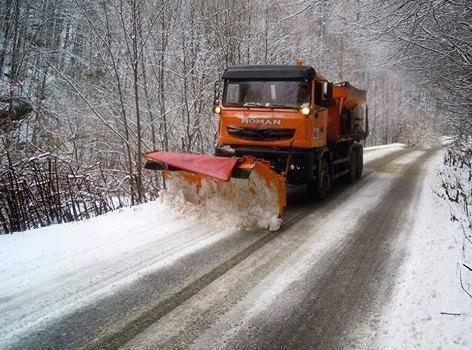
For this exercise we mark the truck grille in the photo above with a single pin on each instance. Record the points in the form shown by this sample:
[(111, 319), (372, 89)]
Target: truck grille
[(261, 134)]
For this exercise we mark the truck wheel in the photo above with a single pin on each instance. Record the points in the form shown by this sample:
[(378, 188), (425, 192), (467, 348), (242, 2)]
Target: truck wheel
[(360, 162), (351, 175), (321, 186)]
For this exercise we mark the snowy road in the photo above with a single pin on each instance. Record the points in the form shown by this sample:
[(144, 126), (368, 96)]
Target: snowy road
[(156, 283)]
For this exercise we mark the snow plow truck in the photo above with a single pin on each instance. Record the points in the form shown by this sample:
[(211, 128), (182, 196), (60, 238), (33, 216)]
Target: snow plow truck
[(278, 125)]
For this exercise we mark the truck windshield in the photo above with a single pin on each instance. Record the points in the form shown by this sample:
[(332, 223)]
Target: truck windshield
[(271, 94)]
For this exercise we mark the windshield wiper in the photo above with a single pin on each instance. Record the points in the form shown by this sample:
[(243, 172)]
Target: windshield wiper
[(266, 105), (280, 106), (253, 104)]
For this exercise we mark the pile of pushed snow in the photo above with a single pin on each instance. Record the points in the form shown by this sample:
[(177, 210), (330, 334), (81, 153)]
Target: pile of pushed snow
[(247, 204)]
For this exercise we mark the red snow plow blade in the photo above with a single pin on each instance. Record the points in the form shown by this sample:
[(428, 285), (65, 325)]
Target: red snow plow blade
[(246, 187)]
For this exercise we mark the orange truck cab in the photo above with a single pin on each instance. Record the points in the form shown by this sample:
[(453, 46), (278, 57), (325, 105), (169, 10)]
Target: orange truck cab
[(310, 129)]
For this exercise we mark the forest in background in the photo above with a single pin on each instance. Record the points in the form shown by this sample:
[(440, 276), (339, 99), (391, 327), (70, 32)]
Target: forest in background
[(87, 86)]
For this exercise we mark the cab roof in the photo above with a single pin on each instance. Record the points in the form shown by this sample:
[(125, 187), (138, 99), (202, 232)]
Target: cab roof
[(268, 72)]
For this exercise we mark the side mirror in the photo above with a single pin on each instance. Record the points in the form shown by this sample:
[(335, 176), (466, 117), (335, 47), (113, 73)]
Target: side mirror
[(323, 93), (327, 94), (329, 91), (216, 94)]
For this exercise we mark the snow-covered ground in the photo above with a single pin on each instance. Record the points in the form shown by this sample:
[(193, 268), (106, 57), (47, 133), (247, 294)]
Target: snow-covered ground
[(389, 146), (429, 309), (48, 272), (51, 271)]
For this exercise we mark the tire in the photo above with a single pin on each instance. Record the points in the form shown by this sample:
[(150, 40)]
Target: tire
[(360, 162), (353, 162), (321, 185)]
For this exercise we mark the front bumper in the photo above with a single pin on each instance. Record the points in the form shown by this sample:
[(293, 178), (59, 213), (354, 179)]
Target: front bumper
[(300, 168)]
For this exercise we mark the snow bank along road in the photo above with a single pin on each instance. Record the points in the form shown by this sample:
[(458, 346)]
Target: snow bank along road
[(137, 279)]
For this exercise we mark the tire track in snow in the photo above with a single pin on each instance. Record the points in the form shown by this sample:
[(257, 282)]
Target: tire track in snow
[(351, 292), (224, 306), (94, 321), (293, 216)]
